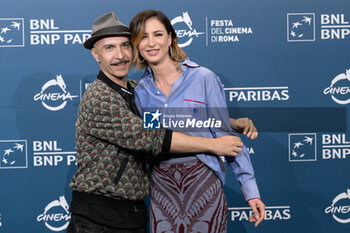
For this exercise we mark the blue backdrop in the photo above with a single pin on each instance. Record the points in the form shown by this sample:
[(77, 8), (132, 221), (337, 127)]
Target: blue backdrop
[(285, 64)]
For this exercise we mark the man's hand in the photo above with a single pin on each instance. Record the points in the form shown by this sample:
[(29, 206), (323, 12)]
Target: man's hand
[(244, 126), (226, 146), (258, 208)]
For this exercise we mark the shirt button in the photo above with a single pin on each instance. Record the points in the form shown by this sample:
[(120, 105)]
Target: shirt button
[(158, 92), (166, 105)]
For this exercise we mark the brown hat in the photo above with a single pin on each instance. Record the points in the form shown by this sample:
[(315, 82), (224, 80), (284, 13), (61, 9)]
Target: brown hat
[(105, 26)]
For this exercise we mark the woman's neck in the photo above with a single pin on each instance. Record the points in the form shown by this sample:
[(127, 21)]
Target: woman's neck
[(164, 70), (165, 74)]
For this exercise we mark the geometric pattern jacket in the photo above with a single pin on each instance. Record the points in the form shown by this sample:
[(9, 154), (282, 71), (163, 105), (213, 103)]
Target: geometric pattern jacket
[(111, 145)]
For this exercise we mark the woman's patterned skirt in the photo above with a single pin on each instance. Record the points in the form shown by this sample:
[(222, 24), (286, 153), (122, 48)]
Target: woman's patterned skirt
[(187, 197)]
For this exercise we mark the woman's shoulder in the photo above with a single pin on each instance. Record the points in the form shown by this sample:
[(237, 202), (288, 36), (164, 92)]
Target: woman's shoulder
[(198, 68)]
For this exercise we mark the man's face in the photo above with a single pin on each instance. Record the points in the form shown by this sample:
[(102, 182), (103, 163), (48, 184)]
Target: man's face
[(114, 55)]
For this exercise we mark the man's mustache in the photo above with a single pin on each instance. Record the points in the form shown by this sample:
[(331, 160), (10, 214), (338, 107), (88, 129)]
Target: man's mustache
[(123, 61)]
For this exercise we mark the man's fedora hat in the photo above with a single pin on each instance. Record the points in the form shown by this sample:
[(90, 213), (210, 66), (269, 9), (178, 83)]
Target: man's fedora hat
[(105, 26)]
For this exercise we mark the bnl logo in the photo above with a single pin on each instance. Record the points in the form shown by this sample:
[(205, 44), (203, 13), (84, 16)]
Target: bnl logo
[(13, 154), (151, 120), (302, 147), (11, 32), (300, 27)]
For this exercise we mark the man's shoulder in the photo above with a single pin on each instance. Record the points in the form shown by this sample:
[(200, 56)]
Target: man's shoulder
[(100, 90), (96, 86)]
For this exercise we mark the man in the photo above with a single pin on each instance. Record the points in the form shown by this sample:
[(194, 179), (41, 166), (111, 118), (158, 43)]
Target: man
[(111, 182)]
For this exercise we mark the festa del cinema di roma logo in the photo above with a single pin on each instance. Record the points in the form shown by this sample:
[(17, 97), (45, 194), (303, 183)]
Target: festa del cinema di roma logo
[(339, 90), (190, 32), (54, 91), (342, 209), (53, 217)]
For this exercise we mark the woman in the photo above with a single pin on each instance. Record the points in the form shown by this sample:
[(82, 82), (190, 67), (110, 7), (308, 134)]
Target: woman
[(187, 192)]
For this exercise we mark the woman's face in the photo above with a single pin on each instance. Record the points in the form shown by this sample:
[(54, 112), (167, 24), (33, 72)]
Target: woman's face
[(154, 45)]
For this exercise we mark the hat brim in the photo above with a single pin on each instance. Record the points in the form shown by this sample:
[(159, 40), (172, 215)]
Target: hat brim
[(89, 43)]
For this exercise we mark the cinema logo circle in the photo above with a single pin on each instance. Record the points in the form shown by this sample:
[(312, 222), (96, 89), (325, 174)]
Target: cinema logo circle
[(56, 215), (53, 94), (340, 88), (186, 34), (340, 208)]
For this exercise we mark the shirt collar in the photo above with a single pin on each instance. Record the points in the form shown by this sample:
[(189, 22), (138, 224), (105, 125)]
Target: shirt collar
[(190, 63), (126, 94), (121, 90), (185, 64)]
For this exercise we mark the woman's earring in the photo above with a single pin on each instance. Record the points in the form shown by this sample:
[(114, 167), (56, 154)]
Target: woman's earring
[(171, 52)]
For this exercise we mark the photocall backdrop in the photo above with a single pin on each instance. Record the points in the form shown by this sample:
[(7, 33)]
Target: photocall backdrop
[(284, 64)]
